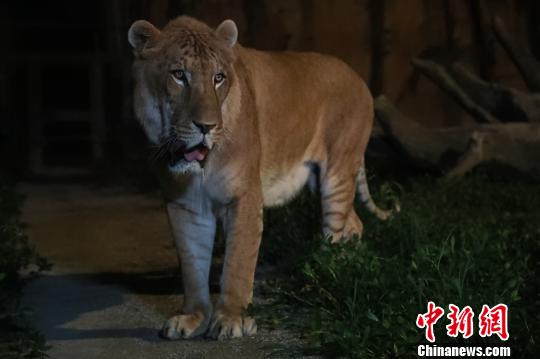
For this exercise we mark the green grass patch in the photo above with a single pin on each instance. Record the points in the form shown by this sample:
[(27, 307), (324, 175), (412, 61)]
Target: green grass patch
[(17, 338), (471, 242)]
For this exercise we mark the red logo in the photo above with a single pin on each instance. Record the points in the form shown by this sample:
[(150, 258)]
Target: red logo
[(460, 321), (429, 319), (494, 321), (490, 321)]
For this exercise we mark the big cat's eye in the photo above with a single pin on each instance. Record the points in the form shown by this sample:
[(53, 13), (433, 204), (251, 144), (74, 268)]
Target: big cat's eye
[(179, 76), (218, 79)]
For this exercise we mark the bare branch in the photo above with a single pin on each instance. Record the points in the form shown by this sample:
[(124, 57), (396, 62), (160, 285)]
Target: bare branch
[(445, 82), (507, 104)]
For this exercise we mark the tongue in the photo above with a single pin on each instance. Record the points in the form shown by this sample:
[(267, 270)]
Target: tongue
[(197, 154)]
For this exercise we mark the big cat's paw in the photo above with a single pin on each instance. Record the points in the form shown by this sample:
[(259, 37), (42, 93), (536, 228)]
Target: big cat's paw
[(184, 326), (225, 326)]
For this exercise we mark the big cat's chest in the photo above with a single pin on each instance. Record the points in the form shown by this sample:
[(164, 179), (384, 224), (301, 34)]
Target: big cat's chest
[(224, 184)]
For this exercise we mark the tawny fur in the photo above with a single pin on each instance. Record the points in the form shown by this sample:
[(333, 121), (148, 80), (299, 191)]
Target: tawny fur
[(277, 115)]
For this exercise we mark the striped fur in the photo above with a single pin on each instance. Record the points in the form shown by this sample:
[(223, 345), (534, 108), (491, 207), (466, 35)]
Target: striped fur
[(339, 219), (275, 118)]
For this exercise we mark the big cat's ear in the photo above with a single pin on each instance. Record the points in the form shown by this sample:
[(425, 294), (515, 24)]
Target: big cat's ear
[(228, 31), (140, 33)]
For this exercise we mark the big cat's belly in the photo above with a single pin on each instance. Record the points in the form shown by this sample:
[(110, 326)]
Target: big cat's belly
[(279, 188)]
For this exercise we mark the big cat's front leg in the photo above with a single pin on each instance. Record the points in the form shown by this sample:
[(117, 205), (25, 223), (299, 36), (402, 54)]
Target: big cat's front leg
[(193, 232), (243, 229)]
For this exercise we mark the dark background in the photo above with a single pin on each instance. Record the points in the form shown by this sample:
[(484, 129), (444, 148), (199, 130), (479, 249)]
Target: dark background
[(65, 78), (67, 124)]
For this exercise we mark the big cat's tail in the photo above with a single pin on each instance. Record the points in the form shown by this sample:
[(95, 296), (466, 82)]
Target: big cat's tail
[(365, 197)]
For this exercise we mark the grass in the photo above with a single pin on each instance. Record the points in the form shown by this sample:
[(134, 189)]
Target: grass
[(17, 338), (471, 242)]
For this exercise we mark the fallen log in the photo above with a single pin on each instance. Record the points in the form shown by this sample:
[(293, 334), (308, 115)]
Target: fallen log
[(426, 148), (457, 150)]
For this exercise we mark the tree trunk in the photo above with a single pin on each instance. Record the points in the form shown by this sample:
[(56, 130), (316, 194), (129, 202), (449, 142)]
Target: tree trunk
[(525, 62), (378, 46)]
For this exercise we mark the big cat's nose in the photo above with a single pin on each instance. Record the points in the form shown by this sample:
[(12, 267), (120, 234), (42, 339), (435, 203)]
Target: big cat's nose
[(204, 127)]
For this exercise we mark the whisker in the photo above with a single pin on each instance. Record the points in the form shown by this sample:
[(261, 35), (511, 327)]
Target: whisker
[(165, 146)]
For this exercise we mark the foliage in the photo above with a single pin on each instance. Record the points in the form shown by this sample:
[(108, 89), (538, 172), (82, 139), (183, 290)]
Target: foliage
[(17, 338), (470, 242)]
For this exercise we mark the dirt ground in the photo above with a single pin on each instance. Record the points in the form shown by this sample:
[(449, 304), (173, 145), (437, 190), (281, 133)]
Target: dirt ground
[(114, 279)]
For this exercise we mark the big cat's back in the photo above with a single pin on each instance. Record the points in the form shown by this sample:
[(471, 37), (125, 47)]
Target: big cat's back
[(289, 71)]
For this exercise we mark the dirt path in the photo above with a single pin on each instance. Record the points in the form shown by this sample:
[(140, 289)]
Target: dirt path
[(114, 280)]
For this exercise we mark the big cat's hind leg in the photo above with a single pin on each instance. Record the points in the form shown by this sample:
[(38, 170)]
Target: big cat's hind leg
[(340, 221), (353, 226)]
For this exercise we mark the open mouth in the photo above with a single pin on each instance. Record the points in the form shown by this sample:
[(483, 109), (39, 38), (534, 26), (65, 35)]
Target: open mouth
[(196, 153)]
